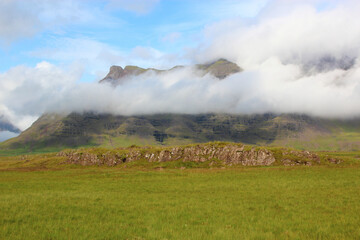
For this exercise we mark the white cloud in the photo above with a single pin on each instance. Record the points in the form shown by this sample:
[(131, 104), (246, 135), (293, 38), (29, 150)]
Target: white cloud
[(149, 57), (26, 92), (96, 57), (183, 91), (15, 21), (145, 53), (300, 34)]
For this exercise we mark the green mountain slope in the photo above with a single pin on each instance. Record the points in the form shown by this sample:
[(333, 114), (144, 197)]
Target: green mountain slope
[(299, 131)]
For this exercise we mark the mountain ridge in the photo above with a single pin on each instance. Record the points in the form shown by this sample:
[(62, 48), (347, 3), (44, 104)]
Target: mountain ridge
[(91, 129), (220, 69)]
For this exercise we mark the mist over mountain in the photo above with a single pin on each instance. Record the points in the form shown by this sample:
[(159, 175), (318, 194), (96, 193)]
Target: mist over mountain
[(106, 128), (5, 125)]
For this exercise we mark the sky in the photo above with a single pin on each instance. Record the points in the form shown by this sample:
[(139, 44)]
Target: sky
[(98, 33), (298, 56)]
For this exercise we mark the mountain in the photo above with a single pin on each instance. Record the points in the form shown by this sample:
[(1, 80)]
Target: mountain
[(299, 131), (92, 129), (221, 69)]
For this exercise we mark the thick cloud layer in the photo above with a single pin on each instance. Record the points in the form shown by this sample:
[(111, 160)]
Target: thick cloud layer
[(298, 58), (25, 93), (297, 34)]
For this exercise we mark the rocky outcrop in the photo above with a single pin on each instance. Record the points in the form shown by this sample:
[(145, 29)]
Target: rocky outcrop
[(115, 72), (293, 158), (229, 155), (226, 155)]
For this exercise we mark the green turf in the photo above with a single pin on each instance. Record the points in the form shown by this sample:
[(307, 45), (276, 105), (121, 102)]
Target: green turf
[(245, 203), (22, 151), (26, 151), (343, 141)]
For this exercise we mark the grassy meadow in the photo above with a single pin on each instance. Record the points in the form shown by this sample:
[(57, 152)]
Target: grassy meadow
[(41, 198)]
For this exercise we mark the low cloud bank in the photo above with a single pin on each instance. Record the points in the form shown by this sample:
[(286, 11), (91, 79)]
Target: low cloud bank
[(297, 59)]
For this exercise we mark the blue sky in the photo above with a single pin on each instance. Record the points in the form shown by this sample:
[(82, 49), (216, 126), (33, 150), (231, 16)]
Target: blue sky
[(97, 34)]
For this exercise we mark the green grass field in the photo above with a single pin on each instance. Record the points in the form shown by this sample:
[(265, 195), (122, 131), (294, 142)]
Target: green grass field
[(73, 202)]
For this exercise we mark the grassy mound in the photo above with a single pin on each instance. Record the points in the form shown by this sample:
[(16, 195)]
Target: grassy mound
[(208, 155)]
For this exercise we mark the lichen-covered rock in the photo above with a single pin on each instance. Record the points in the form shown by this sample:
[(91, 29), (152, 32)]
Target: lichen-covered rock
[(133, 155), (82, 158)]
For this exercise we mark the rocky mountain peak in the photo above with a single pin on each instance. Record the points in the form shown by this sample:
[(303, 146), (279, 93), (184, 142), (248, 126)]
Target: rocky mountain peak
[(221, 69), (116, 72)]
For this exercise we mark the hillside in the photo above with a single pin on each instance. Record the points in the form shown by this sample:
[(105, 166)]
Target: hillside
[(75, 130)]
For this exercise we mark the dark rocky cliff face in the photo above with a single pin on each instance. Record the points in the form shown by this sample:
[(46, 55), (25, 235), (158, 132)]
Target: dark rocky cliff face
[(90, 128)]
